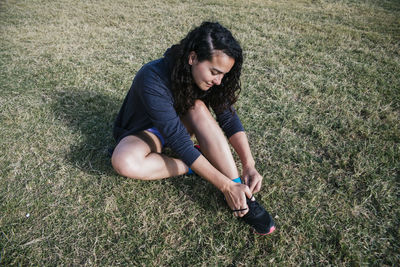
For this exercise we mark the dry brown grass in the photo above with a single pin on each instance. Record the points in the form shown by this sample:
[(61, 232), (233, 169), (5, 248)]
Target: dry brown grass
[(320, 103)]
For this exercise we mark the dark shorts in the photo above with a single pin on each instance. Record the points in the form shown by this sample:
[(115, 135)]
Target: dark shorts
[(158, 134)]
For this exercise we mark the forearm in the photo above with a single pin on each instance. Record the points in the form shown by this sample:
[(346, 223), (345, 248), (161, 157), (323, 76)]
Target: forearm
[(203, 167), (241, 145)]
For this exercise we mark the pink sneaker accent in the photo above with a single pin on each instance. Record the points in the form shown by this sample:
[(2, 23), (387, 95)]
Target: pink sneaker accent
[(270, 231)]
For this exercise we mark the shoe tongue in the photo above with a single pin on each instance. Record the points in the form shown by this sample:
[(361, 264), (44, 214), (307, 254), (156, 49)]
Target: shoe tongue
[(254, 206)]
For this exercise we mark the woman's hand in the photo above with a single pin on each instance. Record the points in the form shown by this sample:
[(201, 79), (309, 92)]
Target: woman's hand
[(252, 179), (235, 195)]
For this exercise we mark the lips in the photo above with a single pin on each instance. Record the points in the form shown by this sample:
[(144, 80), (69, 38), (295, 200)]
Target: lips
[(206, 86)]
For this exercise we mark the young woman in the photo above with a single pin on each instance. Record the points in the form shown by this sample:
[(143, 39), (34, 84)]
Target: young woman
[(169, 101)]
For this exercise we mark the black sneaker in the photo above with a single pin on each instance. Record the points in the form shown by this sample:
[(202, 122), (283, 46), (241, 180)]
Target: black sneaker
[(259, 218)]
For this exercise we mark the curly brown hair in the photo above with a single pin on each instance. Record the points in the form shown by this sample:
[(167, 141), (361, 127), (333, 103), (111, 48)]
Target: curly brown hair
[(204, 40)]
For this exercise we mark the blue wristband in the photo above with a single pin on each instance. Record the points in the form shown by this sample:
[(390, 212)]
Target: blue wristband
[(237, 180)]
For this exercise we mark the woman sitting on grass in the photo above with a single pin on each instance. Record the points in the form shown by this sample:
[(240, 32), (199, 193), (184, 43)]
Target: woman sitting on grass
[(169, 102)]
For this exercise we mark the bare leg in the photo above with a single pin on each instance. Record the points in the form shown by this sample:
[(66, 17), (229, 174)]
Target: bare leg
[(139, 156), (212, 140)]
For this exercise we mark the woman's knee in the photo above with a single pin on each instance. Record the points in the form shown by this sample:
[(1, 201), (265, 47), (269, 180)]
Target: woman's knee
[(200, 107), (200, 113), (126, 165)]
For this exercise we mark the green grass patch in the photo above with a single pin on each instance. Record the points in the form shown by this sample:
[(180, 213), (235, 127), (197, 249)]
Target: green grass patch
[(320, 103)]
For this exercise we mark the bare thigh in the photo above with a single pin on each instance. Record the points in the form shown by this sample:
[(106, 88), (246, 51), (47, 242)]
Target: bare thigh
[(133, 149)]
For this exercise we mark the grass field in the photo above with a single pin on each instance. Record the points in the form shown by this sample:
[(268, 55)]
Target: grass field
[(320, 103)]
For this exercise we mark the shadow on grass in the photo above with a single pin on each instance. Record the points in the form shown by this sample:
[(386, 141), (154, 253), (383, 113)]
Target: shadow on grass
[(201, 192), (90, 115)]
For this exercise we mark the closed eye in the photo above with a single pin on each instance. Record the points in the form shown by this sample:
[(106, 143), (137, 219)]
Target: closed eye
[(215, 71)]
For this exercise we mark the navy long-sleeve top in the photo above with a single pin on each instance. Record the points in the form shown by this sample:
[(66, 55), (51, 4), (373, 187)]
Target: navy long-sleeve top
[(150, 103)]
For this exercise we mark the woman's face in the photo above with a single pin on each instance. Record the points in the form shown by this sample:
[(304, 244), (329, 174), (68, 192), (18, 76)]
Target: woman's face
[(208, 73)]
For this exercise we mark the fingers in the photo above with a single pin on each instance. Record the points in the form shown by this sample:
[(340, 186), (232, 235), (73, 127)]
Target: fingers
[(252, 186), (240, 212), (254, 183), (236, 198), (244, 208), (257, 188), (251, 178), (248, 192)]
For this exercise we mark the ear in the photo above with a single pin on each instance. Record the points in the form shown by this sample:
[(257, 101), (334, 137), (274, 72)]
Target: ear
[(192, 58)]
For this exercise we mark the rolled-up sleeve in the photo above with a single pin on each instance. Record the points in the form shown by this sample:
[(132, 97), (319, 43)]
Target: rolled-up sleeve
[(229, 122)]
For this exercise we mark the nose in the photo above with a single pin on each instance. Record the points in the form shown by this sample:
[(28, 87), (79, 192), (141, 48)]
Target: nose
[(217, 80)]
